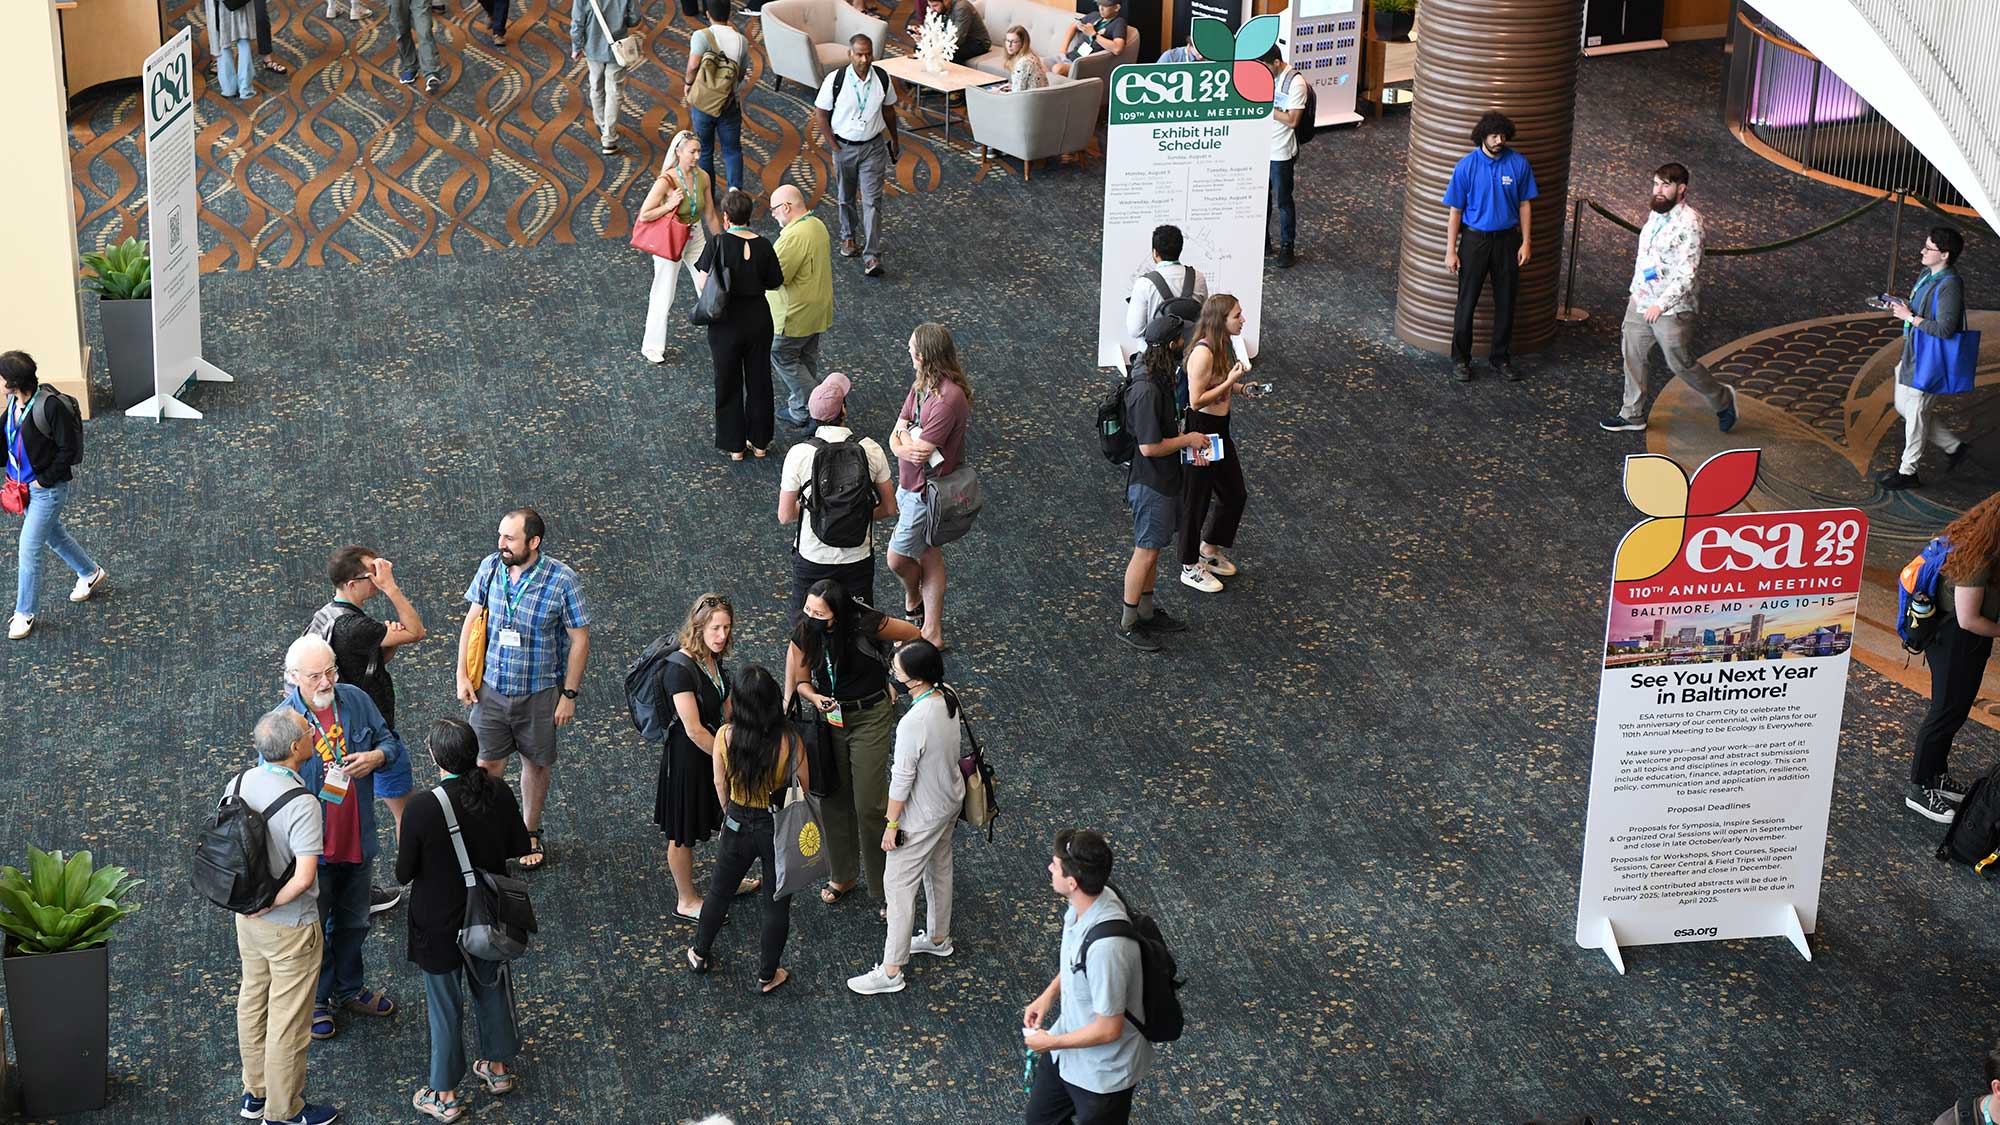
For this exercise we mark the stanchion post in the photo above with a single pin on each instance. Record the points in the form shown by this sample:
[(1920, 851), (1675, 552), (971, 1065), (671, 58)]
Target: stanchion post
[(1569, 313), (1895, 243)]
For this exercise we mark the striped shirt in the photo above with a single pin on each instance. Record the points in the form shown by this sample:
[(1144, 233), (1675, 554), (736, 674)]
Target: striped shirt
[(540, 607)]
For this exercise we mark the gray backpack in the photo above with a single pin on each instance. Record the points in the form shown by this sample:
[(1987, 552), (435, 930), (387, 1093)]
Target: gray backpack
[(498, 917)]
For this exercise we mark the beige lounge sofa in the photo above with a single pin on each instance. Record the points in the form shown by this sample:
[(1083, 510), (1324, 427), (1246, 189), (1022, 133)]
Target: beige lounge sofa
[(807, 39)]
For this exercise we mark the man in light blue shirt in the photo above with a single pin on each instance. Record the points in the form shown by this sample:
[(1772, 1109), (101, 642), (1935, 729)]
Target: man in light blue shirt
[(1488, 196), (1095, 1055)]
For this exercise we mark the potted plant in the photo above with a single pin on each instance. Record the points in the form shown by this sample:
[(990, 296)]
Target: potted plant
[(1394, 19), (123, 279), (57, 917)]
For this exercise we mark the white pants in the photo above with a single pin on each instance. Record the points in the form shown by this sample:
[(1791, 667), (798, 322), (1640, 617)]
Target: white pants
[(925, 858), (666, 277), (606, 80), (1921, 427)]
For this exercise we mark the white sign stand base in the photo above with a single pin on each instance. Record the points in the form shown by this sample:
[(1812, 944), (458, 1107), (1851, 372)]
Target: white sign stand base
[(1790, 925), (1607, 940), (167, 406)]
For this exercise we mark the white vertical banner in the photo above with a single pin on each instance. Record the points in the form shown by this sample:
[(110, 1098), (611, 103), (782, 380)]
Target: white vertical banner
[(1322, 41), (173, 229), (1718, 712), (1189, 144)]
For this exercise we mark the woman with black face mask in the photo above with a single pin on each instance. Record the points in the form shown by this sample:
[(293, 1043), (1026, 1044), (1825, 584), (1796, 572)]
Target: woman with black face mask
[(837, 662)]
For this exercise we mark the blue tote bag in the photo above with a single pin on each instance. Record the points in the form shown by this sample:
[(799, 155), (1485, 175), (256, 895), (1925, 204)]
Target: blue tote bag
[(1943, 365)]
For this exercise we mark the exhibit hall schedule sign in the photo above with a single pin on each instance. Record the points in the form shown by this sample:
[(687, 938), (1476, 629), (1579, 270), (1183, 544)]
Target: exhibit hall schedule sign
[(1718, 712), (173, 223), (1189, 144)]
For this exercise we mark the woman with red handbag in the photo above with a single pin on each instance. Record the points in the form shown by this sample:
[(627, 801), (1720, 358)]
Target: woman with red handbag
[(44, 440), (674, 225)]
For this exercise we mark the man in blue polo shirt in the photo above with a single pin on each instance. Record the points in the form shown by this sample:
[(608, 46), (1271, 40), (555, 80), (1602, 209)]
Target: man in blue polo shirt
[(1488, 197)]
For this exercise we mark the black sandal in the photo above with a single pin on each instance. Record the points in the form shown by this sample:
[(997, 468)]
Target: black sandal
[(535, 852), (830, 894), (696, 961)]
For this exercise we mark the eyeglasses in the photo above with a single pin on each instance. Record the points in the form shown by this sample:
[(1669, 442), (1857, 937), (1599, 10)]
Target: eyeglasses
[(314, 677)]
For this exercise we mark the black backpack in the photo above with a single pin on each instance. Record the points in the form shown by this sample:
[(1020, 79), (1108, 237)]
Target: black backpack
[(232, 860), (1114, 437), (1161, 979), (1182, 305), (1974, 835), (646, 688), (876, 75), (55, 399), (839, 498), (1308, 126)]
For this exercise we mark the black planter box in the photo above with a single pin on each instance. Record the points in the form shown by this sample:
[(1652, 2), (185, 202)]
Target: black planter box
[(60, 1006), (1394, 27), (128, 349)]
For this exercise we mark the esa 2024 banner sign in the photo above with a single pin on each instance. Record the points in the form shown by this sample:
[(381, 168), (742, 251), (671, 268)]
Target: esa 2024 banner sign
[(1718, 712)]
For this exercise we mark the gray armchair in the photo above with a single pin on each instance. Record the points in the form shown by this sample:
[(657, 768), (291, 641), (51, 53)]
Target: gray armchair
[(1032, 125), (807, 39), (1100, 64)]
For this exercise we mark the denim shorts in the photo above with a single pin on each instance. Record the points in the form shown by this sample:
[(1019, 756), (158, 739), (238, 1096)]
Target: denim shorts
[(395, 781), (911, 515), (1156, 517)]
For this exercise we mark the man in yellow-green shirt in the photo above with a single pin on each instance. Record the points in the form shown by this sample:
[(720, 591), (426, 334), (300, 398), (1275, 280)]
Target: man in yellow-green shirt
[(801, 309)]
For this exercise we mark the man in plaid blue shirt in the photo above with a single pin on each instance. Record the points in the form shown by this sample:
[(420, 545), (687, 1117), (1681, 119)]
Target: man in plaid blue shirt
[(537, 638)]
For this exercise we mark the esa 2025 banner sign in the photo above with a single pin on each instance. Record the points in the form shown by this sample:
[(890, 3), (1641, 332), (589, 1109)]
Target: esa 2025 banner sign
[(1189, 144), (1718, 712)]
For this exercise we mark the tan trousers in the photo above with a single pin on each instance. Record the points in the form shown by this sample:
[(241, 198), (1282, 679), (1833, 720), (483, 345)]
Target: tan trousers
[(925, 857), (274, 1010)]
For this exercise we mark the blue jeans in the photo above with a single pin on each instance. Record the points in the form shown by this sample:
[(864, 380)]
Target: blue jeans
[(726, 128), (343, 914), (236, 71), (492, 988), (43, 524), (1281, 201)]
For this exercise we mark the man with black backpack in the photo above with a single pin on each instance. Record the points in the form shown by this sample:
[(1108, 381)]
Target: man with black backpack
[(44, 441), (1095, 1054), (1288, 122), (1169, 287), (279, 945), (1153, 446), (856, 108), (834, 486)]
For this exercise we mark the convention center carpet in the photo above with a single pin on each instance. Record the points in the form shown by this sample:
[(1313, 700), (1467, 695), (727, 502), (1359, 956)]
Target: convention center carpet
[(1353, 793)]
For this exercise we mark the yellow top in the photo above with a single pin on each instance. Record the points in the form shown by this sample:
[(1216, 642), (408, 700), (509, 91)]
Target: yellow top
[(760, 797)]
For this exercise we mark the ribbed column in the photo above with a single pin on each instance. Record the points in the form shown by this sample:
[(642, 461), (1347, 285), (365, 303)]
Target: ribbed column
[(1519, 57)]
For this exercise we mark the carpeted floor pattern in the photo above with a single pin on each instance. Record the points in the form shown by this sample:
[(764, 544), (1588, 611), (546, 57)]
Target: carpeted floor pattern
[(1354, 792)]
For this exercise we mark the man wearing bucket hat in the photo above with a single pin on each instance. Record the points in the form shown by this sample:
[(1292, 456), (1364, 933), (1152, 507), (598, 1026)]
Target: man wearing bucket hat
[(828, 480)]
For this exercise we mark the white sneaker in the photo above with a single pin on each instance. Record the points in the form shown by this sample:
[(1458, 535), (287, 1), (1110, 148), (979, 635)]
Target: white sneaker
[(922, 943), (19, 624), (1198, 577), (1218, 564), (87, 586), (874, 982)]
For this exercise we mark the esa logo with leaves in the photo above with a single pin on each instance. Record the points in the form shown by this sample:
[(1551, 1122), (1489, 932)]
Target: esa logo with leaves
[(1241, 52)]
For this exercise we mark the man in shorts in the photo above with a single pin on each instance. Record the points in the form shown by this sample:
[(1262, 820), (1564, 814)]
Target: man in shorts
[(1153, 480)]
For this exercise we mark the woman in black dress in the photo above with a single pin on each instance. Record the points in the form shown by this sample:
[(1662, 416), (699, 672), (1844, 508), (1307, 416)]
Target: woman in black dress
[(697, 685), (740, 342)]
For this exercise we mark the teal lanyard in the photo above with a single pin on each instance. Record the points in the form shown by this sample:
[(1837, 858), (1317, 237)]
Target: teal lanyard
[(17, 415), (282, 771), (832, 687), (721, 687), (928, 692), (513, 593), (443, 776)]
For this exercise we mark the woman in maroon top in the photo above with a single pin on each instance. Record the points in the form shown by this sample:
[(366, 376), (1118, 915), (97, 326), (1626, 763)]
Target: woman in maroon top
[(491, 828), (929, 439)]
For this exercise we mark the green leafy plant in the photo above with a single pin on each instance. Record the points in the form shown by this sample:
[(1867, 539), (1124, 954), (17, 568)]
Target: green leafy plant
[(122, 273), (1395, 5), (62, 904)]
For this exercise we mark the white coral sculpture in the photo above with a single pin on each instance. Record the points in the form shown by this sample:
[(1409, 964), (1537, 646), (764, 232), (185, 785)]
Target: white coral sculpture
[(937, 43)]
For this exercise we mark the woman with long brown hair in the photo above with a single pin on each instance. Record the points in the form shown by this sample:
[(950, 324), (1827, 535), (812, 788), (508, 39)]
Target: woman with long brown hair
[(929, 439), (1211, 393), (1957, 654), (697, 686)]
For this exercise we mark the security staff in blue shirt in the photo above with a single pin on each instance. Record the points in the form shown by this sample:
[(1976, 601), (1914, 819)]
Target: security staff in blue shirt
[(1488, 196)]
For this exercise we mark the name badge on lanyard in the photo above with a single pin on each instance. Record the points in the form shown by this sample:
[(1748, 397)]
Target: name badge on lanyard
[(333, 785), (510, 638), (332, 746)]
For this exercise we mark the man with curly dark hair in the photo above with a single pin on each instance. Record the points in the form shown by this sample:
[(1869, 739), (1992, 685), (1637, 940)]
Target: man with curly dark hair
[(1488, 196)]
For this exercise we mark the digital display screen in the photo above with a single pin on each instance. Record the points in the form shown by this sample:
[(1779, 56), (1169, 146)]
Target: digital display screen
[(1314, 9)]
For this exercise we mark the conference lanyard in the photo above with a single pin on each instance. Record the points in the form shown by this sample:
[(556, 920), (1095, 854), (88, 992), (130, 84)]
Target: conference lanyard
[(331, 744), (928, 692), (513, 593), (721, 688), (690, 201), (17, 415), (282, 771)]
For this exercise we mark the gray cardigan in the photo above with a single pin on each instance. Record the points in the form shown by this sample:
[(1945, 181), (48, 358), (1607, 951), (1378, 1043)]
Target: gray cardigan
[(1950, 318), (586, 36), (924, 774)]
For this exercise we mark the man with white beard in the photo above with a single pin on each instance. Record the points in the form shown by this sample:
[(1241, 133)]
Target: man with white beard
[(351, 743)]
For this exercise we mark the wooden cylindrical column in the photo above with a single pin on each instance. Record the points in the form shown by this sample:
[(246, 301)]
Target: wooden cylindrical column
[(1519, 57)]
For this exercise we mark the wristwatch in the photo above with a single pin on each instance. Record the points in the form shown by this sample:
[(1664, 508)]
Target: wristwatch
[(568, 693)]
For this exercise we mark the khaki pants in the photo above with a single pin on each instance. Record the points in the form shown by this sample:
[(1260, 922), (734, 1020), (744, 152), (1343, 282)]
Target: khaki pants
[(1675, 335), (1920, 426), (925, 858), (274, 1010)]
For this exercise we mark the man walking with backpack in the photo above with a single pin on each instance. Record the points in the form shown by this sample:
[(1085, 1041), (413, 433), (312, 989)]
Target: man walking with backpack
[(718, 61), (1094, 1055), (834, 486), (1169, 287), (44, 438), (856, 108), (280, 946)]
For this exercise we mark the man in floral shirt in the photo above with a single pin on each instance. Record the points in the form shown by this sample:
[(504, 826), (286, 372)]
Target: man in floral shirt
[(1666, 287)]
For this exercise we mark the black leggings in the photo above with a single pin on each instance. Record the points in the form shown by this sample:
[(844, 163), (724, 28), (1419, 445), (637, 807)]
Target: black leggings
[(1958, 665), (740, 344), (754, 840), (1221, 482)]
